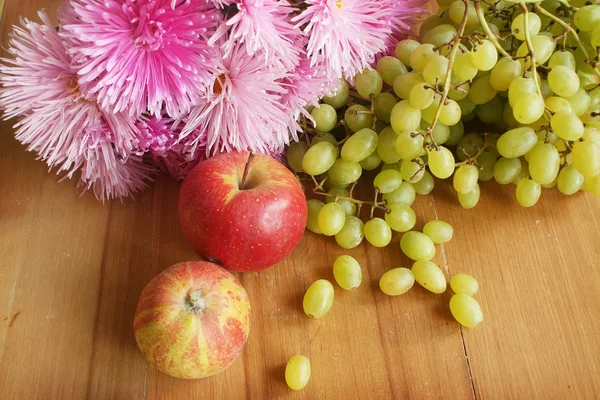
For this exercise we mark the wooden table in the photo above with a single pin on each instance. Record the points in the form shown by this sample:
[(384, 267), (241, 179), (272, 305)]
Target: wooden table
[(72, 269)]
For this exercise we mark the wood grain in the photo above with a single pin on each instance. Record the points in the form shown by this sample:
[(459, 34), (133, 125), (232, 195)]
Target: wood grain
[(72, 269)]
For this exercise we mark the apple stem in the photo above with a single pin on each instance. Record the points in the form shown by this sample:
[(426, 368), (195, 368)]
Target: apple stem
[(195, 303), (246, 170)]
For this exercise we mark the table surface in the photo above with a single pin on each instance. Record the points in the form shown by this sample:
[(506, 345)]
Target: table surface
[(72, 270)]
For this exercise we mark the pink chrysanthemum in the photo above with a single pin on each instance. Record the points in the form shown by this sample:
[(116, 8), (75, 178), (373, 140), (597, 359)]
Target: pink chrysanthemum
[(262, 26), (402, 16), (346, 33), (242, 109), (135, 55), (40, 86)]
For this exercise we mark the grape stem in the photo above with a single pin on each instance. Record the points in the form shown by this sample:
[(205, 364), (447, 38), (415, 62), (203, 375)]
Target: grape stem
[(375, 203), (534, 74), (318, 189), (488, 32), (473, 158), (372, 97)]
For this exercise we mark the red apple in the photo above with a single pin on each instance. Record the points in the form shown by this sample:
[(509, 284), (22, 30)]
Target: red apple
[(244, 212), (192, 320)]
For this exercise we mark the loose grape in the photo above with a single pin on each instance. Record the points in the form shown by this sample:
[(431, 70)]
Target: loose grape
[(441, 162), (528, 192), (564, 58), (457, 11), (466, 310), (397, 281), (587, 17), (352, 233), (439, 35), (506, 170), (518, 25), (580, 102), (387, 181), (463, 67), (318, 299), (295, 154), (484, 55), (325, 117), (586, 158), (383, 104), (347, 272), (412, 171), (360, 145), (404, 50), (404, 117), (389, 68), (469, 200), (529, 108), (563, 81), (421, 96), (570, 180), (404, 83), (297, 372), (450, 113), (386, 146), (319, 158), (438, 231), (430, 276), (567, 125), (340, 97), (465, 178), (417, 246), (314, 207), (482, 91), (358, 117), (405, 194), (435, 71), (409, 145), (348, 206), (378, 232), (424, 185), (503, 73), (368, 83), (463, 283), (516, 142), (331, 219), (401, 217), (518, 87), (420, 57), (371, 162)]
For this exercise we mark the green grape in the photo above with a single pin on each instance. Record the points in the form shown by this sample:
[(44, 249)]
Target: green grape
[(439, 231), (429, 113), (529, 108), (417, 246), (518, 25), (318, 299), (339, 99), (545, 88), (404, 50), (586, 158), (450, 113), (563, 81), (465, 178), (420, 57), (543, 47), (465, 309), (319, 158), (570, 180), (429, 275), (516, 142), (435, 71), (524, 173), (563, 58), (487, 161), (425, 184), (459, 90), (547, 136), (297, 372), (404, 83), (528, 192), (314, 207), (345, 172), (378, 232), (484, 55), (544, 162), (386, 146), (463, 67), (440, 133), (506, 170), (508, 119), (470, 144), (469, 200), (383, 104), (371, 162), (465, 284), (347, 272), (412, 171), (389, 68), (348, 205), (431, 22), (352, 233), (503, 73), (457, 11), (421, 96), (331, 219), (519, 87), (397, 281), (587, 18), (592, 133), (580, 102), (360, 145), (556, 104), (457, 132), (295, 154), (394, 166), (439, 35), (387, 181), (325, 117), (325, 137), (481, 91), (368, 82), (358, 117), (405, 117), (401, 217), (491, 112), (567, 125), (405, 194), (591, 184), (441, 162)]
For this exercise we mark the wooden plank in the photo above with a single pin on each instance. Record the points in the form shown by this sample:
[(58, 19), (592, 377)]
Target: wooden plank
[(539, 289)]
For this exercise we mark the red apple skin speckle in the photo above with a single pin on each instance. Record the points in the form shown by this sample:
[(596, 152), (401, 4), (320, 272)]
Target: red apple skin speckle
[(246, 229)]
